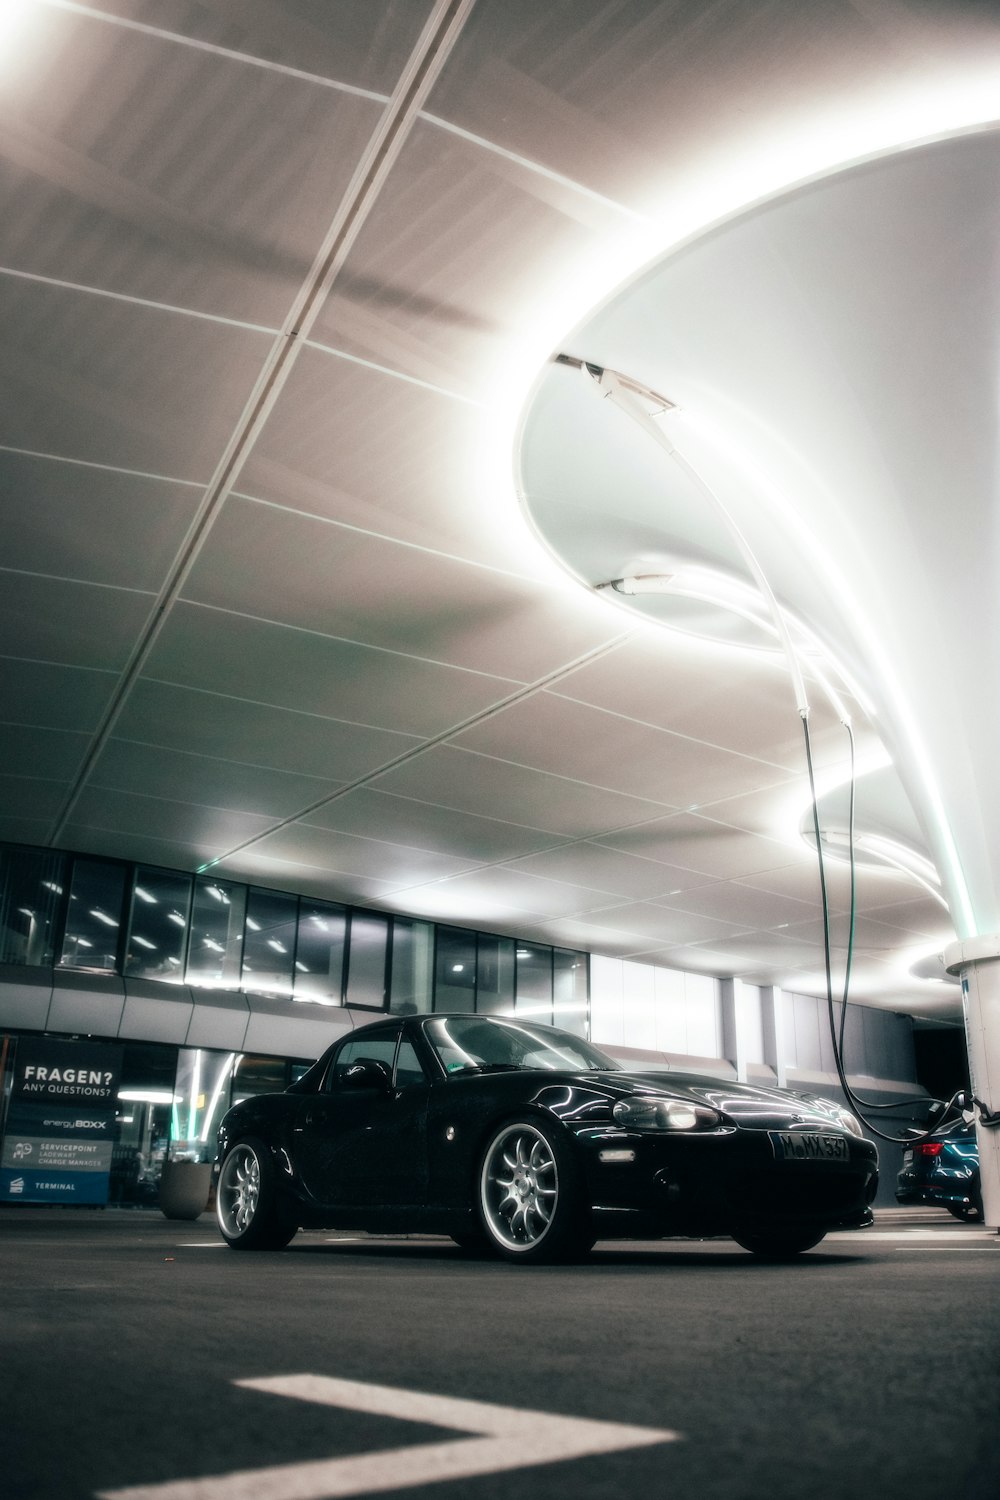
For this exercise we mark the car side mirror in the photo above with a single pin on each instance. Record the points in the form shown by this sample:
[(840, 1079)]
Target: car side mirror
[(367, 1073)]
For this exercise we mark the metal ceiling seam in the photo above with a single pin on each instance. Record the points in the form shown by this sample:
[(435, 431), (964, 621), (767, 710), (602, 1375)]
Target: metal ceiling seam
[(320, 80), (529, 690), (214, 49), (89, 463), (441, 31), (147, 302)]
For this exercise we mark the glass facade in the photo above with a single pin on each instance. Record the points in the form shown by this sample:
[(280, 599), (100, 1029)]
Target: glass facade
[(108, 916)]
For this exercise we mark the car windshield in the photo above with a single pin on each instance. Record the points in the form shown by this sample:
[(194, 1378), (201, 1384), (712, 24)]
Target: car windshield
[(474, 1044)]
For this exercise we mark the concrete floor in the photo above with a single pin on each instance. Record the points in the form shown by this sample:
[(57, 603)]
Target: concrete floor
[(869, 1368)]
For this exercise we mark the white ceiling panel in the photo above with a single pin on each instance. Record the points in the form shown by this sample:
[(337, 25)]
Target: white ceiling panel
[(463, 781), (649, 921), (700, 844), (59, 621), (726, 697), (316, 673), (394, 866), (732, 901), (51, 754), (551, 733), (92, 525), (115, 383), (247, 731), (51, 696), (316, 575), (181, 823), (404, 820), (176, 776), (604, 869)]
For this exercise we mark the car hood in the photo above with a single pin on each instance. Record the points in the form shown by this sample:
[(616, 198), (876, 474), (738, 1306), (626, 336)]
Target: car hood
[(743, 1104)]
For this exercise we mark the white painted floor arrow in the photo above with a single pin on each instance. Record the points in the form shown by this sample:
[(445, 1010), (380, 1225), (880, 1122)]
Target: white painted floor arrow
[(505, 1438)]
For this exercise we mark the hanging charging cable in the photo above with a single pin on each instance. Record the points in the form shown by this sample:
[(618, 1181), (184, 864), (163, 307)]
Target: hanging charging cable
[(635, 398)]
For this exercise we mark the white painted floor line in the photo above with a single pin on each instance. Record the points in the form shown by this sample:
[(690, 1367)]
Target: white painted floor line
[(502, 1438), (865, 1236)]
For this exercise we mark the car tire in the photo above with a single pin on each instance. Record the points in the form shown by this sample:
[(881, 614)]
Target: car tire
[(965, 1211), (246, 1201), (780, 1244), (530, 1198)]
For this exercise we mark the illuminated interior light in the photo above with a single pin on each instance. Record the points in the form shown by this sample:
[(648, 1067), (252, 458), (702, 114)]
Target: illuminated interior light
[(211, 943), (253, 926), (102, 916), (50, 885), (176, 918), (457, 968), (80, 942), (146, 896), (302, 968), (276, 945), (25, 911), (143, 942)]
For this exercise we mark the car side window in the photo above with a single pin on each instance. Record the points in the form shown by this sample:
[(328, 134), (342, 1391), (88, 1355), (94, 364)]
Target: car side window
[(380, 1048), (409, 1068)]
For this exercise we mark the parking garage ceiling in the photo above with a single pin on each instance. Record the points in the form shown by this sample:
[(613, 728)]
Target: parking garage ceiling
[(276, 283)]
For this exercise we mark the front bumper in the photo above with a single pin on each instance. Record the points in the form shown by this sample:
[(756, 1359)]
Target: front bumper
[(716, 1182)]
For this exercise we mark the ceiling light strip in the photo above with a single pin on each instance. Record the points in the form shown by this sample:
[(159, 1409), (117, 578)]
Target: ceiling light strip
[(432, 50)]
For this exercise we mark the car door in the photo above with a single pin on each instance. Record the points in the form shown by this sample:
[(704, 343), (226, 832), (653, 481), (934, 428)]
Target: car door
[(362, 1141)]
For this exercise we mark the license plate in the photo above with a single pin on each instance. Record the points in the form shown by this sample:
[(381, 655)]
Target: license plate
[(807, 1145)]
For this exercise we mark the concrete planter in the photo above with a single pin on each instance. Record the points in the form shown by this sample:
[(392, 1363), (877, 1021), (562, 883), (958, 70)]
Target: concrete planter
[(184, 1189)]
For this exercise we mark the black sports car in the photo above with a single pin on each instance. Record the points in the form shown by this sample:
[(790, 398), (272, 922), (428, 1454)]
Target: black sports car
[(529, 1142)]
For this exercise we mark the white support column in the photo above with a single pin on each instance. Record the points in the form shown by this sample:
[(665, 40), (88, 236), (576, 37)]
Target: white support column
[(772, 1015), (734, 1031), (977, 961)]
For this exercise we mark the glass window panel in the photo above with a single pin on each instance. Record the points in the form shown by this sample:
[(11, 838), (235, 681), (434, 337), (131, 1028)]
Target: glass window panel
[(215, 953), (145, 1104), (269, 942), (495, 975), (533, 980), (319, 953), (409, 1068), (380, 1047), (94, 915), (455, 970), (158, 926), (366, 961), (201, 1098), (32, 886), (411, 983), (569, 990)]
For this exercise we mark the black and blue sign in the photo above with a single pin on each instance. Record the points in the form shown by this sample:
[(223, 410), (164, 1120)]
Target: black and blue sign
[(60, 1128)]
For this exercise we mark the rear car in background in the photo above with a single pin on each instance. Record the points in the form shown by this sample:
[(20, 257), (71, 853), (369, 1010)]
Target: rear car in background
[(944, 1171)]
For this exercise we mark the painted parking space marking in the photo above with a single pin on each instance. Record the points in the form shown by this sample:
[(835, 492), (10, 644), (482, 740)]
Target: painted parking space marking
[(501, 1438)]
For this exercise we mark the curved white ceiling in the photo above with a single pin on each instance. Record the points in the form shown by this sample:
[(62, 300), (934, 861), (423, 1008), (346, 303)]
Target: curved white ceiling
[(833, 355), (311, 641)]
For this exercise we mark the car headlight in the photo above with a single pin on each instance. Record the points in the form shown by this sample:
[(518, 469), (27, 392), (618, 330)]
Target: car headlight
[(850, 1122), (640, 1112)]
